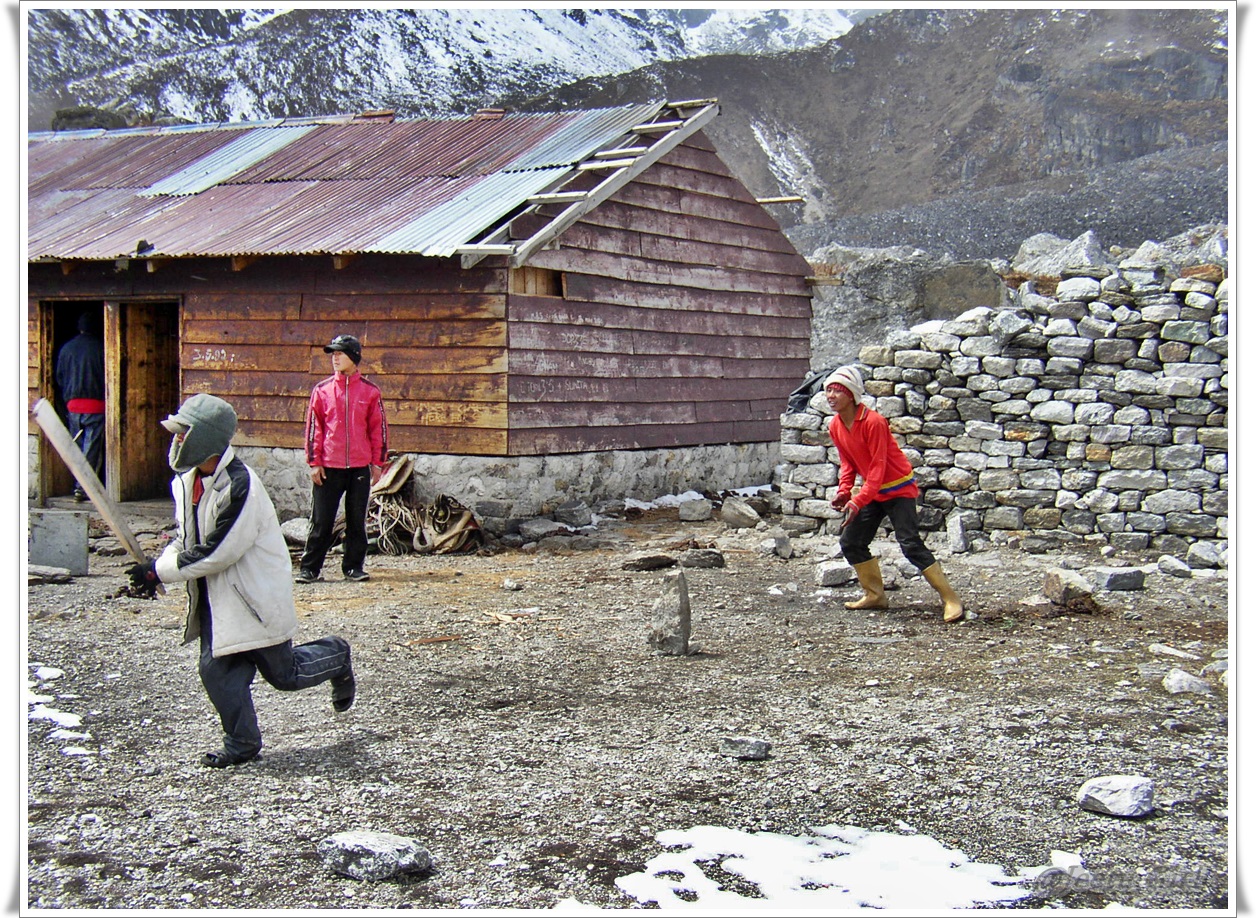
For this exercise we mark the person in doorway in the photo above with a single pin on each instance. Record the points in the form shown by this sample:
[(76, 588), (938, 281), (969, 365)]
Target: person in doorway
[(346, 447), (80, 375), (867, 448), (230, 552)]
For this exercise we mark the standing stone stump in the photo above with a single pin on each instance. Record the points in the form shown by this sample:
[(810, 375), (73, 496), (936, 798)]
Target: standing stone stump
[(670, 618)]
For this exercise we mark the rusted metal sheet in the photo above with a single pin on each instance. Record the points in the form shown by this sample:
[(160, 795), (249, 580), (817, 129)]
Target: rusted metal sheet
[(300, 186)]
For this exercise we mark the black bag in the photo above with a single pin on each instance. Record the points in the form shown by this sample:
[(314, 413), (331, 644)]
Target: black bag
[(801, 397)]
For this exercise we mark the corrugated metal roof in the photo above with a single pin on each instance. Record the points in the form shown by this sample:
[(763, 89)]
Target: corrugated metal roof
[(574, 141), (302, 186), (454, 222), (222, 164)]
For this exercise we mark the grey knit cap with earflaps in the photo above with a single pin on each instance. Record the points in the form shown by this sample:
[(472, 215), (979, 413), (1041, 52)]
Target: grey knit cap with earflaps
[(207, 423)]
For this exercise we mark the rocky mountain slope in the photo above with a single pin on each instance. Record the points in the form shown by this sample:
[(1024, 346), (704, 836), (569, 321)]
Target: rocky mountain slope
[(222, 64), (940, 126)]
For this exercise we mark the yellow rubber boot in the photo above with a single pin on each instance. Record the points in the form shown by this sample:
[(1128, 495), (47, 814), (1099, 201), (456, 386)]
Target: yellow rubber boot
[(952, 608), (869, 573)]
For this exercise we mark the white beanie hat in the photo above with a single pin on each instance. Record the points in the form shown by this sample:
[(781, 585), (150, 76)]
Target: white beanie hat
[(851, 378)]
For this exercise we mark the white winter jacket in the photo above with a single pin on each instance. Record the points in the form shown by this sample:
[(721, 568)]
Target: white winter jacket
[(232, 539)]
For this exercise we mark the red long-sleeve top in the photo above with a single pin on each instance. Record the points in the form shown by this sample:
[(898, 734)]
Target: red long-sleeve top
[(870, 450)]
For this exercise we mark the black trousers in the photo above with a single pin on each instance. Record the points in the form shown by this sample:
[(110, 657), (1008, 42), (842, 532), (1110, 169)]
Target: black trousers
[(901, 512), (354, 485), (228, 680)]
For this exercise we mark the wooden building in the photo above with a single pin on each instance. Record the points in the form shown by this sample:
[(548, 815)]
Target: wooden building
[(522, 284)]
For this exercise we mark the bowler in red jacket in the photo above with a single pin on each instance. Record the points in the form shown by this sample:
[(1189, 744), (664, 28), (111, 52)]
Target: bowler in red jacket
[(866, 447), (346, 446)]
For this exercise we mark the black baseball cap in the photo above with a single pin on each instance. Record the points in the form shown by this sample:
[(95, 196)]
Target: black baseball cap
[(346, 344)]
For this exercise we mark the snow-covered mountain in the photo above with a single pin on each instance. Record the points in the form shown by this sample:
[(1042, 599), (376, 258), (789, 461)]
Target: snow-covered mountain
[(222, 64), (737, 30)]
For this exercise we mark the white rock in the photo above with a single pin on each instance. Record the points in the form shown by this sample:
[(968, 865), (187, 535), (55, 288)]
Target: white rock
[(834, 573), (1178, 681), (745, 747), (1171, 651), (1118, 795), (1174, 567), (368, 855), (738, 514)]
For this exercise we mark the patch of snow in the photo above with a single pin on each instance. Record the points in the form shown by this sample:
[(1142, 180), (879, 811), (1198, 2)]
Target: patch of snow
[(837, 867), (63, 718), (749, 30)]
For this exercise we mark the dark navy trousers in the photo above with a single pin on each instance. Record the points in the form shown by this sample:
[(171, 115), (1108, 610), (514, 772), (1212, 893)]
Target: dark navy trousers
[(228, 679)]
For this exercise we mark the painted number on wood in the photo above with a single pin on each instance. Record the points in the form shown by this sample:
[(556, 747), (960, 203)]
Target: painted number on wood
[(211, 355)]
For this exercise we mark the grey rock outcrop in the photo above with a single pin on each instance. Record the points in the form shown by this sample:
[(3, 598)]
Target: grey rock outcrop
[(887, 290)]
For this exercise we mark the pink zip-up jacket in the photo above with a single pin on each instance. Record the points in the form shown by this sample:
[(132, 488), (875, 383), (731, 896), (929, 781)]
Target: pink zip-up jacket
[(345, 426)]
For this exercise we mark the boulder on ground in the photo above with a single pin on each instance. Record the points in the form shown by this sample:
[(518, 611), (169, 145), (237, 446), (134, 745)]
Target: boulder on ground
[(1118, 795), (368, 855), (745, 747), (1062, 586), (736, 513)]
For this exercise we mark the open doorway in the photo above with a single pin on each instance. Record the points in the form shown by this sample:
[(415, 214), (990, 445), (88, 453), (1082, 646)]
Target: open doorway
[(141, 355), (61, 324)]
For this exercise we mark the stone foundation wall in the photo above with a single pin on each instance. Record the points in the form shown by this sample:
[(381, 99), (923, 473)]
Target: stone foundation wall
[(503, 492), (1097, 412)]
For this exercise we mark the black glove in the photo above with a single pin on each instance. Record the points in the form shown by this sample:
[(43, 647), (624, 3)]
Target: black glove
[(144, 577)]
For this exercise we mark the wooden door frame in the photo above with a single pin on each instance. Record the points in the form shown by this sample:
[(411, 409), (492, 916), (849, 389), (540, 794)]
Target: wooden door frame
[(139, 395), (142, 400), (53, 477)]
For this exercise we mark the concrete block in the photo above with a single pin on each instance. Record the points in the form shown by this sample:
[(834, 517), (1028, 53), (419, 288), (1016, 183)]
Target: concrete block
[(58, 538)]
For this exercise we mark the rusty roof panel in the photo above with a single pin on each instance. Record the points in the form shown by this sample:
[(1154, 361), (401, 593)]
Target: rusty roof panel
[(417, 148), (68, 224), (301, 185), (115, 162)]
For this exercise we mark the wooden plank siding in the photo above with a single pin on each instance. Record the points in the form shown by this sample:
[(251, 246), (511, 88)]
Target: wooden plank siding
[(433, 339), (685, 320)]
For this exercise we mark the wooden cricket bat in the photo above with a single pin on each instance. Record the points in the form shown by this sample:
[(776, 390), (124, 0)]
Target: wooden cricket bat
[(46, 417)]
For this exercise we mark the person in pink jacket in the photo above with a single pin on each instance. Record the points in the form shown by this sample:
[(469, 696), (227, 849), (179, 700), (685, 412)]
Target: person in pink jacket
[(346, 446)]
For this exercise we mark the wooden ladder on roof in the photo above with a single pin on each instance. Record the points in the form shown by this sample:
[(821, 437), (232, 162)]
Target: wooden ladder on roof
[(631, 155)]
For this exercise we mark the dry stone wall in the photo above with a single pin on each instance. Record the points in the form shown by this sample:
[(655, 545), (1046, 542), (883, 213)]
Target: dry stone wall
[(1096, 412)]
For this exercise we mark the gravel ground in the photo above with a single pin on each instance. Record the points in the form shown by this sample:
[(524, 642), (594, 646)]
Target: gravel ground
[(513, 720)]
